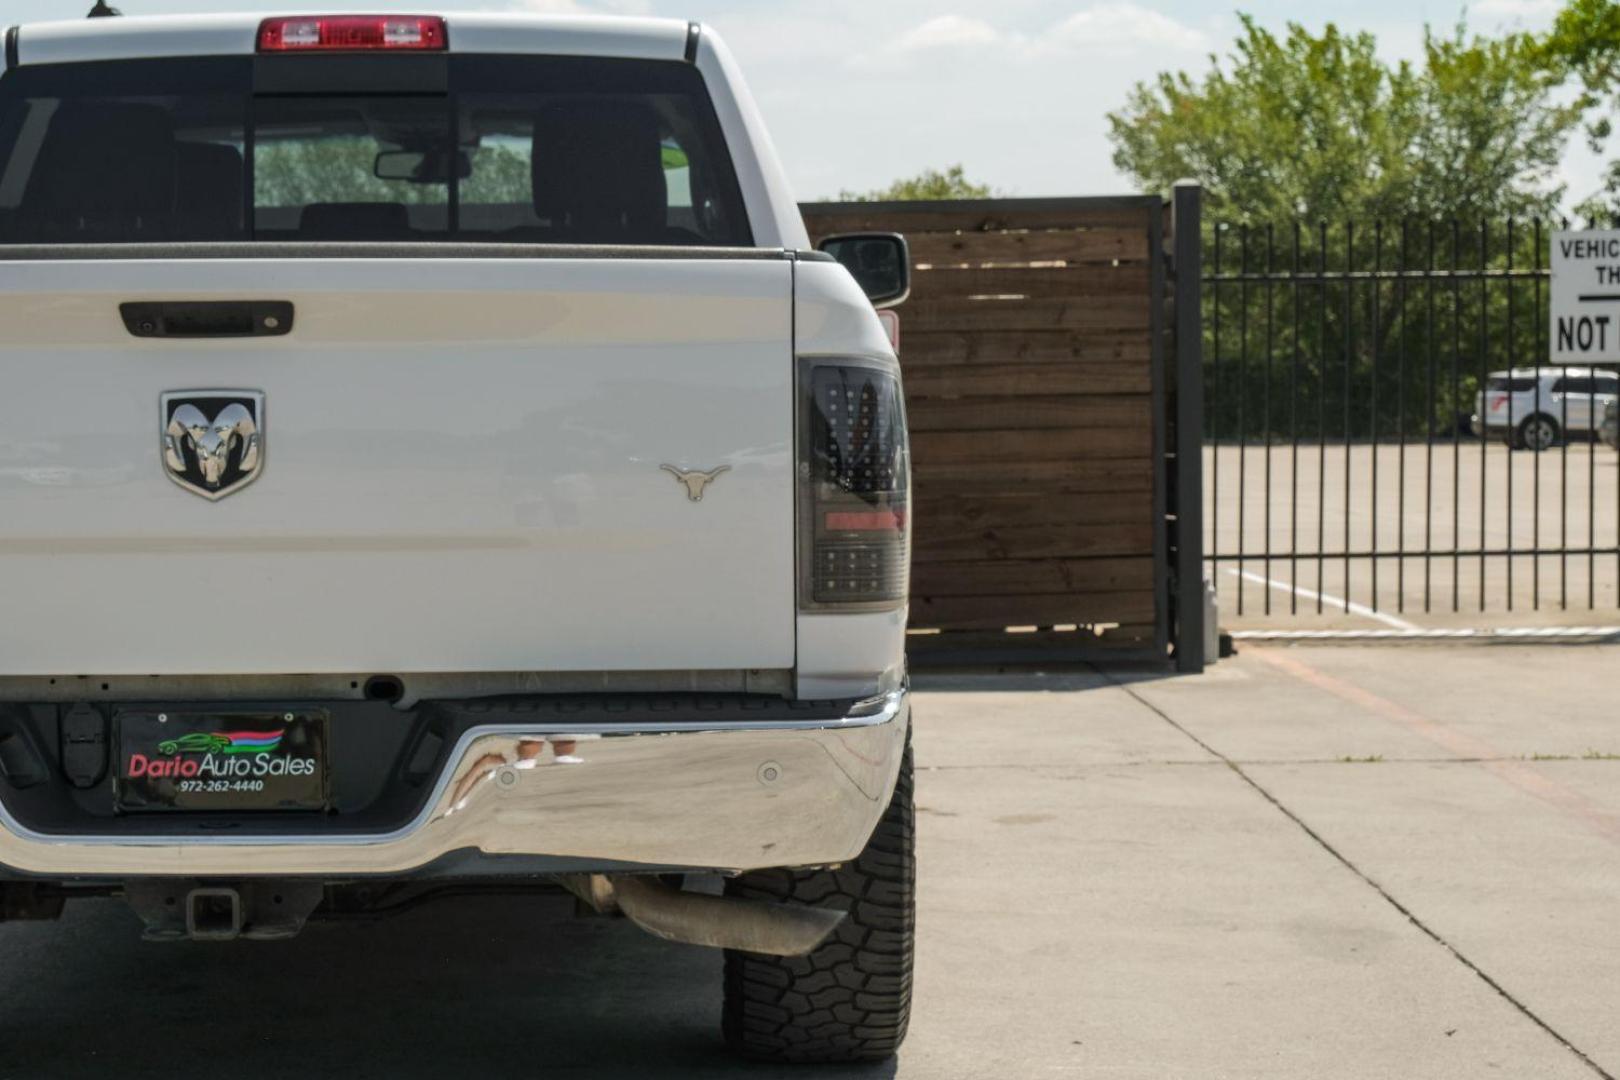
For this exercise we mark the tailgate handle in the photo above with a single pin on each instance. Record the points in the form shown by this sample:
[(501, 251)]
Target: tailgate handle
[(208, 318)]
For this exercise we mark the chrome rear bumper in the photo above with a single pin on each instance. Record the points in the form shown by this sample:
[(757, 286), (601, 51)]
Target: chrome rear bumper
[(731, 796)]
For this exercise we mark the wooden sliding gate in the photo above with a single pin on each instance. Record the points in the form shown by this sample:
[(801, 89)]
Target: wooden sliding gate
[(1033, 349)]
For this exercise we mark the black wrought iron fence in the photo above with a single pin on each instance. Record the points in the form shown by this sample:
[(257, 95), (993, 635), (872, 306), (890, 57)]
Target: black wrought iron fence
[(1384, 431)]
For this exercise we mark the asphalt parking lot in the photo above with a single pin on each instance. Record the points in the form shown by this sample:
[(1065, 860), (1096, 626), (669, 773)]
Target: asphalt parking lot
[(1312, 862)]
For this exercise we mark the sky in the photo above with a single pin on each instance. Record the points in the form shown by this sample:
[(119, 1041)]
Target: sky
[(859, 92)]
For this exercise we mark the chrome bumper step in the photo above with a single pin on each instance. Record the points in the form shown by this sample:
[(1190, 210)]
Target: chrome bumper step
[(731, 794)]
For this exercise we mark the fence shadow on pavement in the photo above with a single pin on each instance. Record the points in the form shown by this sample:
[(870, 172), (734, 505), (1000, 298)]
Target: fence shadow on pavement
[(1054, 678)]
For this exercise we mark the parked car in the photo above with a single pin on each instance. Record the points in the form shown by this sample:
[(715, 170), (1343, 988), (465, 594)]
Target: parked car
[(1535, 408), (475, 398), (1611, 425)]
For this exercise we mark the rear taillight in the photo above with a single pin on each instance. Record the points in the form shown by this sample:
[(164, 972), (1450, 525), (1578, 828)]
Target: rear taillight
[(350, 33), (854, 510)]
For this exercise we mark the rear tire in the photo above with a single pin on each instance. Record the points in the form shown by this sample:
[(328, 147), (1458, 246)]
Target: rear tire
[(1538, 433), (850, 1000)]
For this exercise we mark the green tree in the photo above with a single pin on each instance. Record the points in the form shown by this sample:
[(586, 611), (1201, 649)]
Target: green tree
[(1381, 168), (929, 184), (1317, 126), (295, 173), (1583, 46)]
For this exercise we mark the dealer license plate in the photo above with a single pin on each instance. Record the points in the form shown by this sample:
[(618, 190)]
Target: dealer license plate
[(222, 762)]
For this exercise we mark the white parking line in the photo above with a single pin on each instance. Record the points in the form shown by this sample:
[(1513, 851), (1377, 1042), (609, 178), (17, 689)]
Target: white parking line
[(1327, 599), (1525, 634)]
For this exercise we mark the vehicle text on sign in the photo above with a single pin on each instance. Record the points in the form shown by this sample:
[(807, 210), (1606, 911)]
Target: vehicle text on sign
[(1585, 301)]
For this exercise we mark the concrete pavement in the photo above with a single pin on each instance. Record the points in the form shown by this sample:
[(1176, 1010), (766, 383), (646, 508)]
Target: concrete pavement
[(1463, 496), (1371, 862)]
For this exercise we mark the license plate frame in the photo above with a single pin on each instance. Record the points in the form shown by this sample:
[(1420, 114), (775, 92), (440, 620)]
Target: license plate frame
[(222, 761)]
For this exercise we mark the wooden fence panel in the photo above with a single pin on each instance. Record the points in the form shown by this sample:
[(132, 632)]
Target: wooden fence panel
[(1028, 348), (1014, 249)]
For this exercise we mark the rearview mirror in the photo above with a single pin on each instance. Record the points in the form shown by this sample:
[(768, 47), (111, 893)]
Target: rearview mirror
[(421, 166), (879, 262)]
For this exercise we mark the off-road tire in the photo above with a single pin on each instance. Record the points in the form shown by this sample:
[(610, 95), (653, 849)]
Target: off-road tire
[(850, 1000)]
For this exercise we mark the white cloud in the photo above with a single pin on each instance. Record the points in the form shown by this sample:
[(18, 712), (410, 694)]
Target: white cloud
[(1116, 25), (548, 7), (1515, 9), (946, 32), (575, 7)]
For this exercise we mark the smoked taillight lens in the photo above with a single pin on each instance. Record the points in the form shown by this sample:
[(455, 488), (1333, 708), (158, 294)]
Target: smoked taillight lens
[(351, 33), (855, 502)]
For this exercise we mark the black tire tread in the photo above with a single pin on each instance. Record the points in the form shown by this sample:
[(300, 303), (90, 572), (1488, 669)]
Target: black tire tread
[(850, 1000)]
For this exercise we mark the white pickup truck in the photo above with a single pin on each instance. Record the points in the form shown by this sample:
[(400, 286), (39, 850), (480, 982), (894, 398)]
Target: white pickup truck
[(431, 458)]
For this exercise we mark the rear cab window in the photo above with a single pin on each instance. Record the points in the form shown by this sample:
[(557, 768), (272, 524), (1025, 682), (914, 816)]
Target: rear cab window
[(507, 149)]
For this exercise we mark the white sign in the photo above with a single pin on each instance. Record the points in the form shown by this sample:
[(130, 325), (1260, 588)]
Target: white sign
[(1585, 305)]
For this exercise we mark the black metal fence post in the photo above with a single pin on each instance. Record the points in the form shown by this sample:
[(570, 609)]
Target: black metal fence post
[(1188, 265)]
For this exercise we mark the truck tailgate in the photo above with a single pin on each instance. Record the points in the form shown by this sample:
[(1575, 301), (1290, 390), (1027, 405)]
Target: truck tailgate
[(462, 469)]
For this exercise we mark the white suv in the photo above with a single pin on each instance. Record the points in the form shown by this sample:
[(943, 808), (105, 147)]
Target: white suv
[(1533, 408)]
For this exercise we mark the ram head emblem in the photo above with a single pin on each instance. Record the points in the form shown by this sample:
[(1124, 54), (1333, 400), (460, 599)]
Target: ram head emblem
[(213, 440)]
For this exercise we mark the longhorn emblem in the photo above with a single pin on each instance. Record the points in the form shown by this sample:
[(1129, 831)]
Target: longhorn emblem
[(694, 481), (213, 442)]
